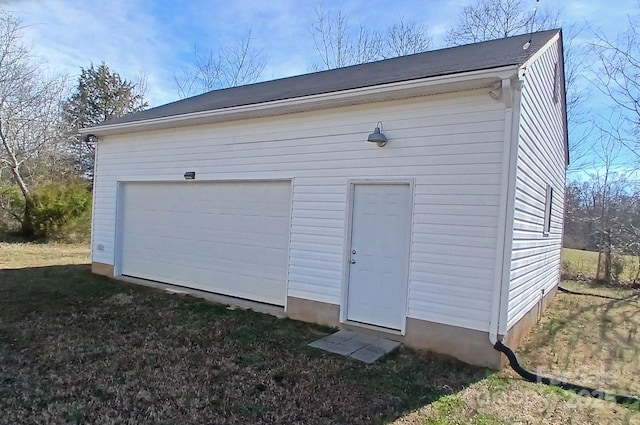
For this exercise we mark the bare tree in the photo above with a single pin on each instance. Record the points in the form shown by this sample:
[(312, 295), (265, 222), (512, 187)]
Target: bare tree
[(406, 38), (603, 212), (229, 66), (30, 124), (618, 77), (602, 197), (201, 77), (493, 19), (242, 64), (603, 215), (338, 44), (576, 84)]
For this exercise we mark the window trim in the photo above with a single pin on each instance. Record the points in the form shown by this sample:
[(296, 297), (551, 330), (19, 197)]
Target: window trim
[(556, 83), (548, 203)]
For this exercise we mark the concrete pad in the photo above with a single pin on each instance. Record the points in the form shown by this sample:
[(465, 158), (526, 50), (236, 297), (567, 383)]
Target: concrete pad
[(347, 347), (340, 337), (322, 344), (367, 355), (371, 353), (338, 342), (363, 347), (386, 345), (367, 339)]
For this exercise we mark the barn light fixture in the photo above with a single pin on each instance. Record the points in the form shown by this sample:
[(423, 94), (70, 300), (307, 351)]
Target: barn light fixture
[(190, 175), (496, 93), (377, 137)]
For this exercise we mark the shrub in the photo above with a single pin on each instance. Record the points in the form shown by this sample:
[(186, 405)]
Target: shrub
[(60, 210), (11, 207), (617, 267)]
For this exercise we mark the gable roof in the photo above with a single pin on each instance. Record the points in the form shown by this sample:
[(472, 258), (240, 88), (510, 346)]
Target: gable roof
[(454, 60)]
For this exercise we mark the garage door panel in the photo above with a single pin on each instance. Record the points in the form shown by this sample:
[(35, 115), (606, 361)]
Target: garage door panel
[(221, 237), (204, 212), (229, 238), (204, 261), (182, 270), (164, 248), (250, 224), (224, 285)]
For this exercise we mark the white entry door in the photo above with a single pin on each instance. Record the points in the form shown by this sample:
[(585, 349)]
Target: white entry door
[(378, 266)]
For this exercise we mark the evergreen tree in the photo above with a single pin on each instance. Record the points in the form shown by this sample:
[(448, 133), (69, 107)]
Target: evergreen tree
[(101, 95)]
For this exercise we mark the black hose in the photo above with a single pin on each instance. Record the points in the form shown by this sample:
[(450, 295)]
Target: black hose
[(568, 291), (626, 400)]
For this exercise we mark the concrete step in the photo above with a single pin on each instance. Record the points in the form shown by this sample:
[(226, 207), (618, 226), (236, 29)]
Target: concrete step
[(366, 348)]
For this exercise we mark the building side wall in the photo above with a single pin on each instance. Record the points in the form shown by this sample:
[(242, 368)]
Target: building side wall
[(450, 146), (535, 257)]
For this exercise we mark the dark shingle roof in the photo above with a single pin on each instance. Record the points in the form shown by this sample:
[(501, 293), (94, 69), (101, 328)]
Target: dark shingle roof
[(454, 60)]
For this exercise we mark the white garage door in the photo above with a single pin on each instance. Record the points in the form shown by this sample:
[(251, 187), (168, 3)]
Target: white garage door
[(229, 238)]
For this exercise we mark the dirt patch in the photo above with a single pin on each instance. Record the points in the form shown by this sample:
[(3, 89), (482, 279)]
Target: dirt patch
[(121, 299)]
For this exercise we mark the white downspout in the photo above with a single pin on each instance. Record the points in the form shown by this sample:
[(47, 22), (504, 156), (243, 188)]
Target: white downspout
[(503, 223)]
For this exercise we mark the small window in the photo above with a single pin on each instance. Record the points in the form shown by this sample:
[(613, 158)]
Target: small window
[(547, 210)]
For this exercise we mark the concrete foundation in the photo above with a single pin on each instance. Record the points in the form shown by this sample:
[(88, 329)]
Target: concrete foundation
[(518, 332), (102, 269), (467, 345), (313, 311)]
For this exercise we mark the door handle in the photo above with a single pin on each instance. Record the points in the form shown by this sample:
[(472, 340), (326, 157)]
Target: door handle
[(353, 261)]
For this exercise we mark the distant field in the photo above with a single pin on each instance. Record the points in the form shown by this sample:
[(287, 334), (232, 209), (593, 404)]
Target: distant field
[(586, 263)]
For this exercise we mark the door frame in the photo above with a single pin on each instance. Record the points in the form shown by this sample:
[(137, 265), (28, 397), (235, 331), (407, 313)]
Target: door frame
[(344, 299)]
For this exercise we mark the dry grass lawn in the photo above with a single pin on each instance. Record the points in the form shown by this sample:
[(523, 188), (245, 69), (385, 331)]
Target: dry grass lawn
[(585, 263), (594, 341), (587, 340), (77, 348)]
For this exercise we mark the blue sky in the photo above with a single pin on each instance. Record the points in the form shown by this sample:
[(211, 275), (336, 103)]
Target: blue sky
[(156, 38)]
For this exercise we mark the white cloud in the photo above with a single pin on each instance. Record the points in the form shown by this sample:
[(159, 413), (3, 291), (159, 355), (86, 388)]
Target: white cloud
[(70, 35), (156, 37)]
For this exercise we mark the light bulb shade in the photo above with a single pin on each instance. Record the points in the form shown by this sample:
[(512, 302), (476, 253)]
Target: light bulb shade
[(377, 137), (496, 94)]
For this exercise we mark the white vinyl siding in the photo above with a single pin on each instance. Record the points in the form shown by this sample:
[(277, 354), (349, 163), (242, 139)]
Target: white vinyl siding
[(535, 261), (450, 146)]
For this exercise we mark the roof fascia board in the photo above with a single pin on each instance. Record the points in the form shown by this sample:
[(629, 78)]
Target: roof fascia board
[(537, 54), (564, 100), (391, 91)]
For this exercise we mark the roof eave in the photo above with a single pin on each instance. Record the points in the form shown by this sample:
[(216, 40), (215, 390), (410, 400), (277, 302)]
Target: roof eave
[(392, 91), (534, 57)]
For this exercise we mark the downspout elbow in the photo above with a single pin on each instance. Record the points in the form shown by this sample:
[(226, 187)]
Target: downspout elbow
[(493, 337)]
